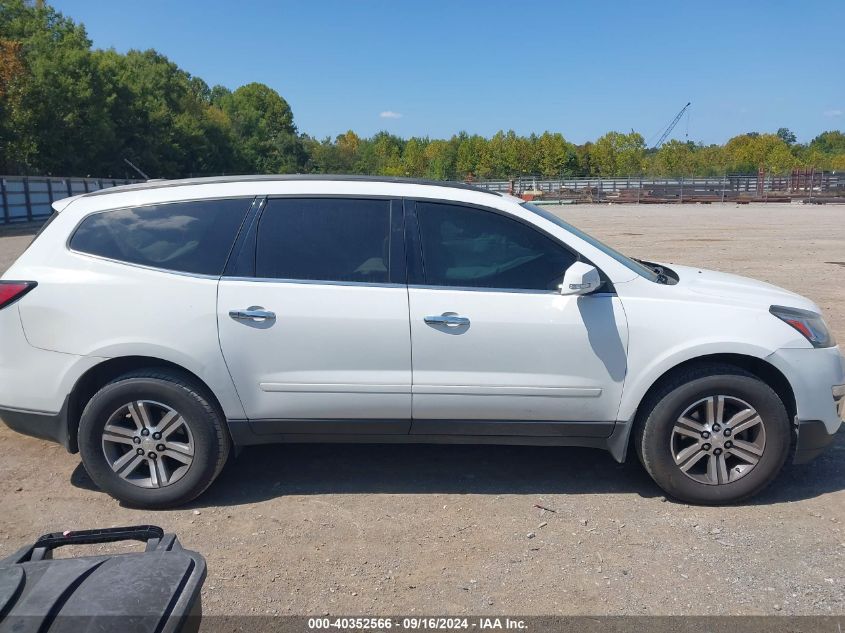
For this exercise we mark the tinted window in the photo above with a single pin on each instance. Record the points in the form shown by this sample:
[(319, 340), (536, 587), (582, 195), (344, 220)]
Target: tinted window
[(329, 239), (192, 237), (463, 246)]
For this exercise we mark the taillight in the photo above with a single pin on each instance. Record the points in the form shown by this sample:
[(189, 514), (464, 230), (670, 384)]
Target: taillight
[(11, 291)]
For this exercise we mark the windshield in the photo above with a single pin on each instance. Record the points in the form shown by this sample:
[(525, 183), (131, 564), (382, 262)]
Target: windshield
[(632, 264)]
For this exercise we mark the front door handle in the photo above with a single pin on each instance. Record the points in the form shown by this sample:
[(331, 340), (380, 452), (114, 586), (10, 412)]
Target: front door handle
[(250, 314), (448, 319)]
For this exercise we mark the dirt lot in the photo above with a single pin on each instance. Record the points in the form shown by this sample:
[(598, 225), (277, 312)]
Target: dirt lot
[(418, 529)]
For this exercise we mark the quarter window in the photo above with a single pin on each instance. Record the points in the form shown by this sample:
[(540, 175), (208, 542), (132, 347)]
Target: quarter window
[(324, 239), (192, 237), (468, 247)]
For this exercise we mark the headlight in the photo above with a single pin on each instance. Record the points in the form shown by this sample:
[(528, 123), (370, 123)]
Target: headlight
[(811, 325)]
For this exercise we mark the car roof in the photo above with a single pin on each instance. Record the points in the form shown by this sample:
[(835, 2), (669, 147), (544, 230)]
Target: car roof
[(184, 182)]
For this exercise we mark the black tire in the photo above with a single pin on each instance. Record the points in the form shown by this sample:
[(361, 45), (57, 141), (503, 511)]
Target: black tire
[(206, 424), (662, 409)]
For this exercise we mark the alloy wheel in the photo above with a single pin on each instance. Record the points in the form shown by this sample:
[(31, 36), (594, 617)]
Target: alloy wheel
[(148, 444), (718, 440)]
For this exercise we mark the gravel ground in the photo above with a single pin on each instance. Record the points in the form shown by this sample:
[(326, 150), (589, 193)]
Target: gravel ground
[(456, 529)]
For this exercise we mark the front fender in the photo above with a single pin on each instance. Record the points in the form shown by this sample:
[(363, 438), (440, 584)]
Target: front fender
[(641, 379)]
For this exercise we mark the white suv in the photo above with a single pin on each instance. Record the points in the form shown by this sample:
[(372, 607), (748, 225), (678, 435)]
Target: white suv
[(156, 326)]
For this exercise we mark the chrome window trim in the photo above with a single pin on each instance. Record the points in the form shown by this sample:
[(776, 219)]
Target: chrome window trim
[(315, 282), (320, 282), (521, 291)]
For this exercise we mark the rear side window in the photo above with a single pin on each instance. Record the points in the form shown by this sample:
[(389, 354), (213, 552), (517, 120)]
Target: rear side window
[(324, 239), (468, 247), (191, 237)]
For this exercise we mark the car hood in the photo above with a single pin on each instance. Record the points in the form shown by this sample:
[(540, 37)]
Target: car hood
[(738, 289)]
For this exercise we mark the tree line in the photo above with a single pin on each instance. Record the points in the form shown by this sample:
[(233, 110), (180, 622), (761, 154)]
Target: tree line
[(67, 109)]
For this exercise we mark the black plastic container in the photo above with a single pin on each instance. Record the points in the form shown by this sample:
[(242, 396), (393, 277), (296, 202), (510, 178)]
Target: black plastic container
[(157, 590)]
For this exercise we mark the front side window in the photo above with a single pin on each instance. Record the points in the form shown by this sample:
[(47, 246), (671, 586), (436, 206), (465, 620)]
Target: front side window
[(468, 247), (192, 237), (324, 239), (629, 263)]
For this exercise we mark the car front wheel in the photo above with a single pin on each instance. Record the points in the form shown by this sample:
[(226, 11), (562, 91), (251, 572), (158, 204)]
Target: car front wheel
[(714, 434)]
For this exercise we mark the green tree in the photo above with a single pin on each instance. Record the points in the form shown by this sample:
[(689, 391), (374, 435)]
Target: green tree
[(786, 135), (618, 154), (554, 154), (262, 123), (747, 153), (831, 142), (468, 155), (348, 145), (584, 160), (54, 101), (414, 161), (491, 158), (70, 110), (674, 158), (164, 119), (440, 157), (384, 155), (710, 160), (515, 155)]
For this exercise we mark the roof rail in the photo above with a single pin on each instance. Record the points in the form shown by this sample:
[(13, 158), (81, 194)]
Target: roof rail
[(160, 184)]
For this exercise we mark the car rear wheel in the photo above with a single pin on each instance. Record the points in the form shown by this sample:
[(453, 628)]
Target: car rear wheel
[(713, 434), (152, 439)]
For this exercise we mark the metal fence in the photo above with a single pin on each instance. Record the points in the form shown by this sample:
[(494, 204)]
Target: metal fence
[(28, 198), (805, 185)]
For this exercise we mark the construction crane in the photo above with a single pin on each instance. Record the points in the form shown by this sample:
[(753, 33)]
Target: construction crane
[(671, 126)]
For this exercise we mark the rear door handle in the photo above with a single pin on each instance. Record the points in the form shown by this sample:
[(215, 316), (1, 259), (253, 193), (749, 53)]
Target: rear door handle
[(451, 320), (251, 313)]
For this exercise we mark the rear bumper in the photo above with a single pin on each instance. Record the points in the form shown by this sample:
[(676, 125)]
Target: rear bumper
[(813, 439), (45, 426)]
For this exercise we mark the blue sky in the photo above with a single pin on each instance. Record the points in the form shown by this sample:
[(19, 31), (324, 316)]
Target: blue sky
[(579, 68)]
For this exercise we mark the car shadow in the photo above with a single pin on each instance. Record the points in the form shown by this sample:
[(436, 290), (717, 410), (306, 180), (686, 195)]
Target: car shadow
[(261, 473), (823, 475)]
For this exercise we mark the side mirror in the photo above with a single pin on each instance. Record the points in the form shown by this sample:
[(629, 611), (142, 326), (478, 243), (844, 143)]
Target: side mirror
[(580, 279)]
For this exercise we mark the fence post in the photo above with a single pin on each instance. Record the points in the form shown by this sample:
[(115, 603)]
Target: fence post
[(724, 183), (5, 201), (812, 183), (639, 189), (26, 197), (559, 186), (682, 189), (69, 187)]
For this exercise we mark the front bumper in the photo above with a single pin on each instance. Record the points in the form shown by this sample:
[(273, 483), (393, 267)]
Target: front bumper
[(812, 439), (813, 375)]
